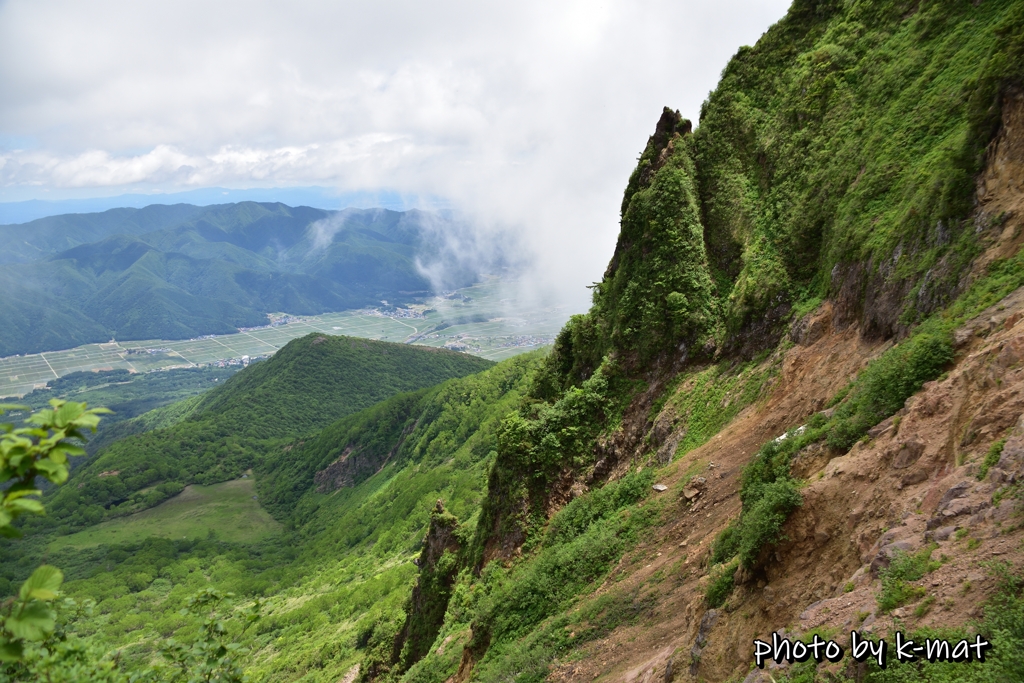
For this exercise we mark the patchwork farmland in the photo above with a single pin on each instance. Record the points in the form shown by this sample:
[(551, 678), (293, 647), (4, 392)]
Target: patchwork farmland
[(474, 320)]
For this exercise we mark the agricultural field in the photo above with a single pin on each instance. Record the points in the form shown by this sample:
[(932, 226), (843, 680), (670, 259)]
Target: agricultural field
[(481, 320), (229, 510)]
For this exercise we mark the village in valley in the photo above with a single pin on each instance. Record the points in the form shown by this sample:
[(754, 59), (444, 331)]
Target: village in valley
[(480, 320)]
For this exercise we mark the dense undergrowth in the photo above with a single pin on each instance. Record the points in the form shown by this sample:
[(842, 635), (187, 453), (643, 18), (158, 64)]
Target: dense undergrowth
[(542, 440), (858, 151), (338, 577), (522, 616)]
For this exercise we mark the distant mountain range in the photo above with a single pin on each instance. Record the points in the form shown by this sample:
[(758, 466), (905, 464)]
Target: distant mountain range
[(318, 197), (180, 271)]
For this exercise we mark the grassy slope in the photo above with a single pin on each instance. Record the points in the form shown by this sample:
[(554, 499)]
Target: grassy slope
[(341, 572), (851, 135), (227, 511)]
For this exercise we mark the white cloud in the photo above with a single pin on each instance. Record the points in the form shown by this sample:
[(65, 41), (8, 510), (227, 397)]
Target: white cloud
[(525, 115)]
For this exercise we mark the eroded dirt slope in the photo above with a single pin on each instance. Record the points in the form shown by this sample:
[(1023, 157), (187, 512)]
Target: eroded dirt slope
[(913, 483), (916, 482)]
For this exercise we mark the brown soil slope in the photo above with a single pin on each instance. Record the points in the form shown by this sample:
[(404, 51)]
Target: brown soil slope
[(914, 482)]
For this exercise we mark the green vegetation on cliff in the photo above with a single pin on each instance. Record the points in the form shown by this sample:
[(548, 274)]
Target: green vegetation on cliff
[(838, 156), (657, 291), (836, 160)]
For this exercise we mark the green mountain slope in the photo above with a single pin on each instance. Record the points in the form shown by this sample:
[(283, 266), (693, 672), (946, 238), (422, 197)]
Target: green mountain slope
[(305, 386), (181, 272), (43, 237), (129, 396), (479, 530), (347, 557), (836, 159)]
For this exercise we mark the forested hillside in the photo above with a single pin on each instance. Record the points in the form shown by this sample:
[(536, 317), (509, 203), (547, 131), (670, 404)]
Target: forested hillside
[(350, 540), (796, 407), (128, 395), (32, 241), (182, 271), (305, 386)]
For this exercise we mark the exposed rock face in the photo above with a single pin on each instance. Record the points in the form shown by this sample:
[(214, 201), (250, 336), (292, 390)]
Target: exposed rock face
[(912, 482), (707, 622), (426, 607), (873, 296), (336, 475), (1001, 185), (812, 326), (354, 466)]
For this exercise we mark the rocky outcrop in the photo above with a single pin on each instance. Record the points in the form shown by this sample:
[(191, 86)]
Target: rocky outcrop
[(438, 567), (354, 465), (915, 483), (888, 248)]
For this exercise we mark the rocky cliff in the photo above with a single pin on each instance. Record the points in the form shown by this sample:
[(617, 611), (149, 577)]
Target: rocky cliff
[(809, 341)]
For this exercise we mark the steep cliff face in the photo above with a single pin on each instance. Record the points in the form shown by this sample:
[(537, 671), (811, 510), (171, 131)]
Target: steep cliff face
[(938, 479), (838, 155), (836, 160), (834, 250), (916, 482), (657, 291)]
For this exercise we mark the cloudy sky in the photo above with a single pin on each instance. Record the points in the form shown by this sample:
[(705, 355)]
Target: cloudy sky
[(525, 116)]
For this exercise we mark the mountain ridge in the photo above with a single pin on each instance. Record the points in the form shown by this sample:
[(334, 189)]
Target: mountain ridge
[(795, 409), (306, 385), (180, 272)]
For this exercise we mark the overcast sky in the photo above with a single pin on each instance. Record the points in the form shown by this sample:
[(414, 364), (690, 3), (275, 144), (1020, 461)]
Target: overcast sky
[(525, 115)]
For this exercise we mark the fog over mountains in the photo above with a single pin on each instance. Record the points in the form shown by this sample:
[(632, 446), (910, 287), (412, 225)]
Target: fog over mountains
[(180, 271)]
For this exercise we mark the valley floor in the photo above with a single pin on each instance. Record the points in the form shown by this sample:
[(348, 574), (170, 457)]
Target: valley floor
[(480, 320), (228, 511)]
